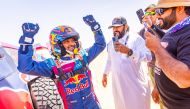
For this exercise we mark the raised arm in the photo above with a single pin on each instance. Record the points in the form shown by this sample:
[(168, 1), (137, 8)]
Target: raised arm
[(25, 62), (100, 43)]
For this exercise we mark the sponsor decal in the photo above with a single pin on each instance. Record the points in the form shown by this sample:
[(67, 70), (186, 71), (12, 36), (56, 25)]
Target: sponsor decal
[(78, 87)]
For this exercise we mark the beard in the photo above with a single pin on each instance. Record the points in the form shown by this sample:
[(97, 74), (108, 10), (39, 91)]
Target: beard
[(159, 22), (168, 21), (119, 34)]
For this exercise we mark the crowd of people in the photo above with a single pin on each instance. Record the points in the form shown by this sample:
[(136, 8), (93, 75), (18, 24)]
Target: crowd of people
[(163, 43)]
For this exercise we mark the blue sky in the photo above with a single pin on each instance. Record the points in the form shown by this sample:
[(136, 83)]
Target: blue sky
[(51, 13)]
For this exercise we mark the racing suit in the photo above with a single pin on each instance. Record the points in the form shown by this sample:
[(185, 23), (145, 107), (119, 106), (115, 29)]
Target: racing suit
[(73, 77)]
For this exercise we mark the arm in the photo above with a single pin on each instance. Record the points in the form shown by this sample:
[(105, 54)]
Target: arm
[(108, 65), (25, 62), (139, 51), (97, 47), (106, 71), (100, 43), (180, 74), (28, 66)]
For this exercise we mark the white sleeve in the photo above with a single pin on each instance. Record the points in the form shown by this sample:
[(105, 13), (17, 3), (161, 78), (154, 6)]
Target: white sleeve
[(108, 63), (140, 51)]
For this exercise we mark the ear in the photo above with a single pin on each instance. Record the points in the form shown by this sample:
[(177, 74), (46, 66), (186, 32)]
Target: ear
[(180, 10), (126, 27), (180, 13), (80, 44)]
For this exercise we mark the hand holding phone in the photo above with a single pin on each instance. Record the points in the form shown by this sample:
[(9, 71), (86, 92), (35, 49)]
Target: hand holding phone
[(115, 39), (140, 15)]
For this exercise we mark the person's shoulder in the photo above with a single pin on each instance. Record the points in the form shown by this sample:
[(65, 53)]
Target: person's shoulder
[(182, 35), (109, 43)]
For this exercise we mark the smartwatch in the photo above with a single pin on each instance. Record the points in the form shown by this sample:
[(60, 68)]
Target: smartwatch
[(130, 52)]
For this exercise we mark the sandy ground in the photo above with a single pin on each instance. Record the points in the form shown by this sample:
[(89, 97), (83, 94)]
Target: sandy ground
[(105, 94)]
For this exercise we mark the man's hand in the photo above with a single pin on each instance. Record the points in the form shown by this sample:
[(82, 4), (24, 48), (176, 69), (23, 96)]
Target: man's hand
[(121, 48), (104, 80), (152, 42), (155, 95), (147, 21), (89, 20), (29, 30)]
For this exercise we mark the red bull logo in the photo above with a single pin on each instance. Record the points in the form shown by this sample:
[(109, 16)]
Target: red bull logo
[(70, 81), (75, 80), (81, 77), (77, 88)]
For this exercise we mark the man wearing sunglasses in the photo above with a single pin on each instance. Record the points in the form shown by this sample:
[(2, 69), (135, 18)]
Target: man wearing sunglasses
[(172, 53), (149, 11), (150, 18)]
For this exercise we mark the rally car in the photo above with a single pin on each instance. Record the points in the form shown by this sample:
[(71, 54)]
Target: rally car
[(21, 91)]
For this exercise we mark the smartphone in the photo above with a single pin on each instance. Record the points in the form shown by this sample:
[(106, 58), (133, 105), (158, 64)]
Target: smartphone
[(140, 15), (115, 39)]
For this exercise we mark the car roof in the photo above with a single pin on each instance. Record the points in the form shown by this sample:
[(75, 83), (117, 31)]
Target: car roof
[(6, 45)]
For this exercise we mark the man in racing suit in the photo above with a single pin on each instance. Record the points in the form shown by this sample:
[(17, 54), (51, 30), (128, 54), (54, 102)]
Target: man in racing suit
[(68, 64)]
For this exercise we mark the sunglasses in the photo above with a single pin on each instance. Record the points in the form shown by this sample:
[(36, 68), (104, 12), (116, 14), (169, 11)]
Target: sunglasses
[(161, 11), (150, 13)]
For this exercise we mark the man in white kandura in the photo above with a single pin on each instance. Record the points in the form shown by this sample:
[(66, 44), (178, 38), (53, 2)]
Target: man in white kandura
[(125, 53)]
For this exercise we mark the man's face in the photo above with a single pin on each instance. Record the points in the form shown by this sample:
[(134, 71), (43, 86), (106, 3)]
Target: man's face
[(119, 31), (151, 13), (69, 44), (168, 17)]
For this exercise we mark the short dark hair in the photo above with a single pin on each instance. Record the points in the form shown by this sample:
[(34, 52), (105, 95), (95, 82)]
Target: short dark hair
[(187, 10)]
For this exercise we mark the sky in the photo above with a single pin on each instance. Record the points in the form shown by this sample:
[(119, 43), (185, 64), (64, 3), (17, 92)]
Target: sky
[(51, 13)]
